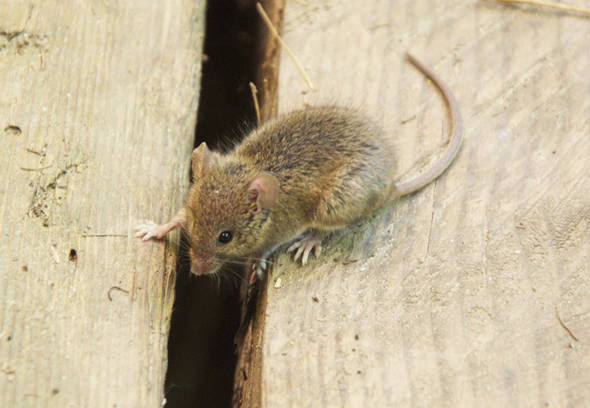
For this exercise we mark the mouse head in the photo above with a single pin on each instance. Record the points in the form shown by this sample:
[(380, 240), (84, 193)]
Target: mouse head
[(228, 210)]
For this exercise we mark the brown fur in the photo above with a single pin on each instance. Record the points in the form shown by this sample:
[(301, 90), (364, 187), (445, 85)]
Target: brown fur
[(332, 168)]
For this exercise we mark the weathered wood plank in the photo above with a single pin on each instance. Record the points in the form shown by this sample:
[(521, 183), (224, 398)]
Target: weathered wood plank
[(97, 115), (448, 298)]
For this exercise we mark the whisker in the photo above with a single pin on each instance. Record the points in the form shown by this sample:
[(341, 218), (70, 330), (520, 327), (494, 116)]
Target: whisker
[(234, 274), (245, 260), (241, 263), (218, 281), (231, 279)]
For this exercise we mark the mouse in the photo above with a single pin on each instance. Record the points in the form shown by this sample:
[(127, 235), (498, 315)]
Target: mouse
[(292, 181)]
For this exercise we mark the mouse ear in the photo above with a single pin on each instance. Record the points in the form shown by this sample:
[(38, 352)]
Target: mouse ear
[(203, 159), (264, 191)]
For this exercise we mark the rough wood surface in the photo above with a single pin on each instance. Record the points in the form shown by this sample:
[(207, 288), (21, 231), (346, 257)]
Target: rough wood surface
[(97, 115), (452, 296)]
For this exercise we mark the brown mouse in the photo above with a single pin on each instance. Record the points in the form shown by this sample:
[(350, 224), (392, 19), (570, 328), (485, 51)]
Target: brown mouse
[(301, 175)]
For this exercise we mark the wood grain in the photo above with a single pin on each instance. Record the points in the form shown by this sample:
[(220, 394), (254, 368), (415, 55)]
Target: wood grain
[(97, 114), (447, 298)]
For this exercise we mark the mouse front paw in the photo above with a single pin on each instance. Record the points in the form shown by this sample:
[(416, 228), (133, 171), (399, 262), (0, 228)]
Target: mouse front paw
[(150, 230), (260, 266), (305, 246)]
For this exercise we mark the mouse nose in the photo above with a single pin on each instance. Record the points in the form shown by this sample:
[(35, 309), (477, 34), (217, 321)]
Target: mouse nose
[(201, 266)]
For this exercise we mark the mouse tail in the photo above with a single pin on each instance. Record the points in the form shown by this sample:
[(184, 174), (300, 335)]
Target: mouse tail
[(455, 136)]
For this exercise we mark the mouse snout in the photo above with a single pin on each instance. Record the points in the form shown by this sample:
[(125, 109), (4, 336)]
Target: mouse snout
[(201, 266)]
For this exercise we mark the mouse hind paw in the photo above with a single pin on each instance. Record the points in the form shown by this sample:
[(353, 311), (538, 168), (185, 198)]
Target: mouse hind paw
[(305, 246)]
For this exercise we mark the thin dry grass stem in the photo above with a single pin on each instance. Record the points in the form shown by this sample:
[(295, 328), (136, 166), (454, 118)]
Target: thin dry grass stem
[(562, 324), (256, 105), (268, 23), (555, 6)]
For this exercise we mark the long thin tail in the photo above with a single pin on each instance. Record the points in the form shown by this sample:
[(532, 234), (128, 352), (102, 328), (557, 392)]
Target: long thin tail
[(455, 136)]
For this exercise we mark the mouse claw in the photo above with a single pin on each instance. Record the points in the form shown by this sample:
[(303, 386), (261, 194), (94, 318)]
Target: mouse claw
[(260, 267), (304, 247), (298, 254), (317, 250)]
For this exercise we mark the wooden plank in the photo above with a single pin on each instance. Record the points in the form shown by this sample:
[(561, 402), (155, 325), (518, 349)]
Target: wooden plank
[(97, 114), (449, 297)]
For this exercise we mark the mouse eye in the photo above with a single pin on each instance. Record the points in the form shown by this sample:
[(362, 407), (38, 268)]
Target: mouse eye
[(225, 237)]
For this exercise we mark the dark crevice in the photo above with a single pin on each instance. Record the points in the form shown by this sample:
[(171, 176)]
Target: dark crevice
[(206, 315), (229, 64)]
